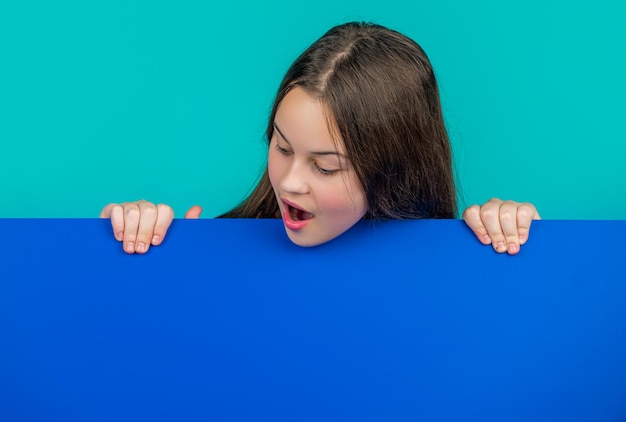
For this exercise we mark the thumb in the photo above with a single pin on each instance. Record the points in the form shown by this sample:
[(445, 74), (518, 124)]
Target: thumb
[(193, 212)]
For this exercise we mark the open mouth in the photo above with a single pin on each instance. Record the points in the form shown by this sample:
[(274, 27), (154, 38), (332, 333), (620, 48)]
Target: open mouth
[(297, 214), (294, 214)]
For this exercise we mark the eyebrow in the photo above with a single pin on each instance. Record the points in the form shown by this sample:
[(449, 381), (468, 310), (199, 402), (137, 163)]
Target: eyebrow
[(282, 135)]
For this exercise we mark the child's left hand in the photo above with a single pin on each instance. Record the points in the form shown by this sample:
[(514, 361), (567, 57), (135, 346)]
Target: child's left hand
[(504, 224)]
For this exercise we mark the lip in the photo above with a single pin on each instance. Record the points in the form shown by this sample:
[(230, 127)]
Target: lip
[(289, 223)]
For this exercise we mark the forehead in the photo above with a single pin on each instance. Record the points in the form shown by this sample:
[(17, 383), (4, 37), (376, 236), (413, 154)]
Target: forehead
[(307, 121)]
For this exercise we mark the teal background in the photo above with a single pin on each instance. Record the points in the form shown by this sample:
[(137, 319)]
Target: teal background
[(168, 101)]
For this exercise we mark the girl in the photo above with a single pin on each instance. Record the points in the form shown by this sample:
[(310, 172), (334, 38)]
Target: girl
[(356, 131)]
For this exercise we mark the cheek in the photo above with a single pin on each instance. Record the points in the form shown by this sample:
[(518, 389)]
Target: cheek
[(273, 169), (347, 200)]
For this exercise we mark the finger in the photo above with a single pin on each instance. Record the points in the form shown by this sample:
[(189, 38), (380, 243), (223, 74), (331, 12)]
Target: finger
[(525, 214), (193, 212), (508, 223), (165, 215), (106, 211), (490, 216), (472, 217), (132, 215), (145, 230), (115, 212)]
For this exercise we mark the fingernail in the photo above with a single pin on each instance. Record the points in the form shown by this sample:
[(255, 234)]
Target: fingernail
[(120, 236), (486, 239), (130, 246), (156, 239), (500, 247), (141, 247), (512, 248)]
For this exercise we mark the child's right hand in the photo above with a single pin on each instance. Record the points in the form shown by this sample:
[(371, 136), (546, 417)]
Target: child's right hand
[(140, 224)]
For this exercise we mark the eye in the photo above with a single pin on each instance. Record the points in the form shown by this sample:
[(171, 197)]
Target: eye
[(324, 171), (282, 150)]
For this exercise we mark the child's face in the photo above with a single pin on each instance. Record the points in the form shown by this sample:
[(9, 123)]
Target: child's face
[(318, 193)]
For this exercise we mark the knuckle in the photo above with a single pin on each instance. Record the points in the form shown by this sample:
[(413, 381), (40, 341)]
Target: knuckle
[(130, 236), (497, 236), (512, 238), (165, 210), (149, 211), (132, 212), (116, 214), (523, 215), (487, 213), (144, 236), (159, 232), (471, 212), (507, 215), (525, 212)]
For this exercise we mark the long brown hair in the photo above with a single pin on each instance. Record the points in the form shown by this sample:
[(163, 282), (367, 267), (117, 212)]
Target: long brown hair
[(382, 93)]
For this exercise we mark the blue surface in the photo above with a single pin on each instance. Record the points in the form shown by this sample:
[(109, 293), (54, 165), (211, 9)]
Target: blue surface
[(393, 321)]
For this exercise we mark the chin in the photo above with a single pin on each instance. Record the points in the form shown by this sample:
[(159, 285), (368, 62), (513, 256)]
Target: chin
[(306, 241)]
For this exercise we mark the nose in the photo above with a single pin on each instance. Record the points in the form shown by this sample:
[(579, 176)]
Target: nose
[(293, 179)]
